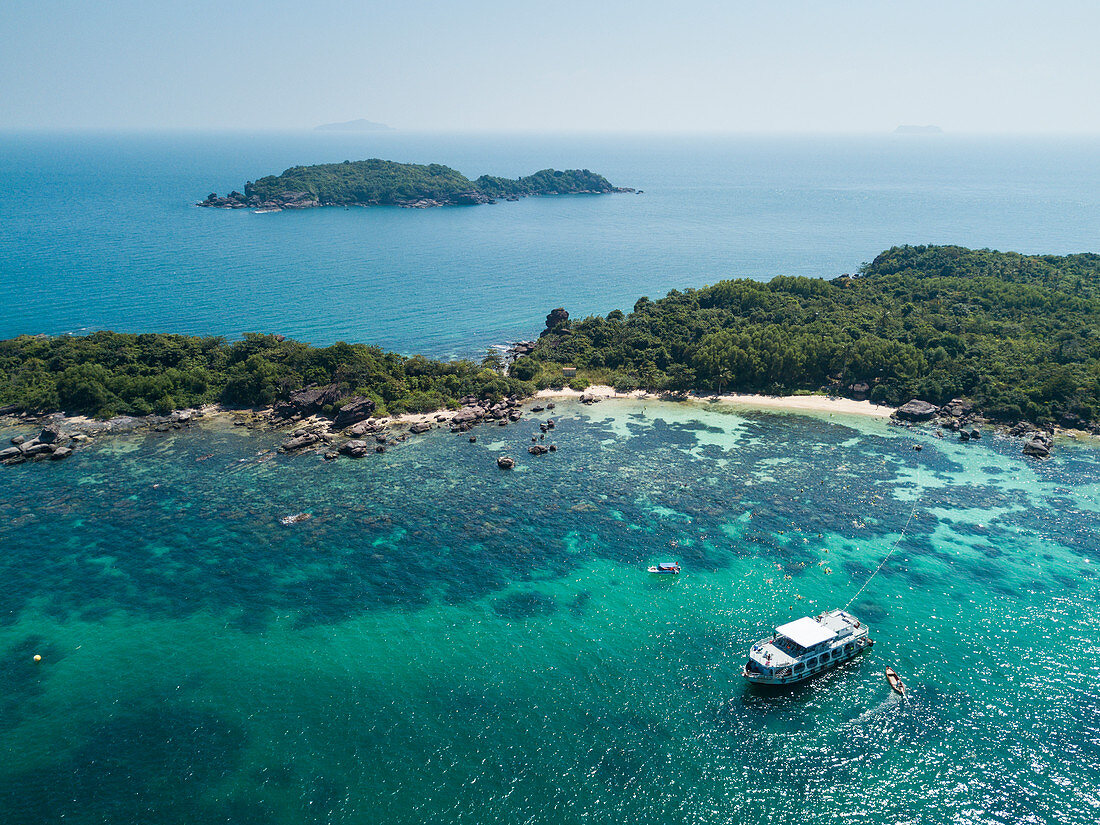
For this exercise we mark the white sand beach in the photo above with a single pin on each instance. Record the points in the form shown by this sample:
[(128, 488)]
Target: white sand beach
[(807, 403)]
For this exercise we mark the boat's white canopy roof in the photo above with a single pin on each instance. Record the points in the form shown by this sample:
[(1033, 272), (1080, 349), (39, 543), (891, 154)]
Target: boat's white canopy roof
[(805, 632)]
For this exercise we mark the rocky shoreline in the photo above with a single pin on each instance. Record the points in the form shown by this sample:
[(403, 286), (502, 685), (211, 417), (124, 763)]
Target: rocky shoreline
[(306, 200), (961, 418), (352, 430)]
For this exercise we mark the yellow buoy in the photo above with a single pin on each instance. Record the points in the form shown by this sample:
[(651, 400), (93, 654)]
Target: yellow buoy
[(37, 657)]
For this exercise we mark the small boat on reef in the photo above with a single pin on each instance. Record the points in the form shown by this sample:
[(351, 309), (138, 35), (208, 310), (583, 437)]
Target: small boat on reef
[(896, 684), (668, 568), (806, 647), (297, 518)]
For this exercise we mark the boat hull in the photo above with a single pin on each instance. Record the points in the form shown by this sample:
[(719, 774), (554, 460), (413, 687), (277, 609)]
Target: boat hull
[(809, 673)]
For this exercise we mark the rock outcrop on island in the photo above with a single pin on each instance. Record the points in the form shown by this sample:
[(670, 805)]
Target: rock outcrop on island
[(916, 410), (378, 182)]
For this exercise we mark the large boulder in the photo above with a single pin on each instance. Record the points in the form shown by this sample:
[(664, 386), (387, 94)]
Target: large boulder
[(420, 427), (957, 408), (356, 449), (1038, 445), (506, 462), (309, 401), (50, 434), (356, 410), (538, 449), (60, 453), (556, 318), (300, 442), (1021, 428), (916, 410), (469, 414), (363, 428)]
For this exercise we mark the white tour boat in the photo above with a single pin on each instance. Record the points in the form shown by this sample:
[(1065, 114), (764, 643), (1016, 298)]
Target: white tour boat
[(806, 647)]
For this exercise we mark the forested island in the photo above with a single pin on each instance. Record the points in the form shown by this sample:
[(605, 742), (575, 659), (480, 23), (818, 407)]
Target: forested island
[(1016, 335), (377, 182)]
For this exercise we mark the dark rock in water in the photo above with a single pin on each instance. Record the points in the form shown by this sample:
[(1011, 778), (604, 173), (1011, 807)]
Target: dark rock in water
[(10, 452), (1038, 445), (473, 439), (1022, 428), (363, 428), (975, 434), (515, 415), (468, 415), (964, 435), (550, 405), (918, 447), (50, 434), (538, 449), (506, 463), (17, 439), (537, 408), (300, 442), (553, 448), (60, 453), (356, 449), (503, 422), (331, 455), (419, 427), (550, 423), (356, 410), (380, 449), (916, 410), (380, 438), (589, 399), (32, 449)]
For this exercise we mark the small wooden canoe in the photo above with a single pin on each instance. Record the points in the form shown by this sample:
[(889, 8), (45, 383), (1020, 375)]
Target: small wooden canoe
[(896, 684)]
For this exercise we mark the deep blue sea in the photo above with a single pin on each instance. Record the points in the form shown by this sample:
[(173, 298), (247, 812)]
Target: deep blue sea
[(443, 642), (100, 231)]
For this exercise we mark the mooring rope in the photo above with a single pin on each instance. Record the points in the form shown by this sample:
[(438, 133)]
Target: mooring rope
[(894, 546)]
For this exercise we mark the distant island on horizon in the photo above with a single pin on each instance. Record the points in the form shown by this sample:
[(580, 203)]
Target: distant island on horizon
[(910, 129), (358, 125), (377, 182)]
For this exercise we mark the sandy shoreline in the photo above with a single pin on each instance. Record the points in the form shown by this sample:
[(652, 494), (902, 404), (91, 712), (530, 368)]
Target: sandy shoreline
[(803, 403), (798, 403)]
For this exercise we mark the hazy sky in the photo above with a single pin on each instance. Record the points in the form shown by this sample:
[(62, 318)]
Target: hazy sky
[(767, 65)]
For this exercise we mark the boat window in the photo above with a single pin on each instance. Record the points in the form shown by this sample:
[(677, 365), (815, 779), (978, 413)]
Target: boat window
[(848, 647), (799, 667)]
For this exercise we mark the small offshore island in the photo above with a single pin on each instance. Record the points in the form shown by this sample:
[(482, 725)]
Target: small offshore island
[(378, 182), (970, 336)]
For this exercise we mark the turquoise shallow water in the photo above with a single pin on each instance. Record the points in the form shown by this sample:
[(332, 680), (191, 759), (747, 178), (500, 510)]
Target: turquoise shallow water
[(444, 642)]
